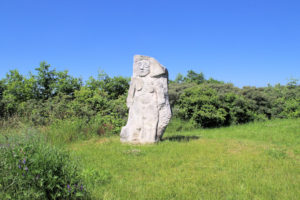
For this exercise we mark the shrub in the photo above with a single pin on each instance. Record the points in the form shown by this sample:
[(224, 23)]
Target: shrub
[(237, 108), (32, 169), (202, 105), (292, 108), (258, 100), (175, 90)]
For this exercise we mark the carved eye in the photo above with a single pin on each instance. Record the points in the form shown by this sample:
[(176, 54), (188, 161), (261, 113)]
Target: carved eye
[(140, 64)]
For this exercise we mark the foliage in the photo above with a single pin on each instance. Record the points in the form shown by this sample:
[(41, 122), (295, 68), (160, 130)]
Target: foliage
[(258, 100), (2, 88), (17, 89), (49, 96), (46, 80), (201, 104), (50, 82), (116, 86), (194, 77), (32, 169), (175, 90), (227, 104), (52, 97), (291, 108), (237, 108)]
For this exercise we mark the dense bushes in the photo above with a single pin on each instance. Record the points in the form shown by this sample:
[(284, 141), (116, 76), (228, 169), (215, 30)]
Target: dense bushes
[(52, 97), (203, 105), (211, 103), (32, 169)]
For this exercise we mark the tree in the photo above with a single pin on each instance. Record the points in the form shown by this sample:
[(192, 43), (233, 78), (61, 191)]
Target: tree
[(98, 83), (17, 89), (179, 78), (292, 83), (66, 84), (214, 81), (50, 83), (46, 80), (116, 86), (194, 77)]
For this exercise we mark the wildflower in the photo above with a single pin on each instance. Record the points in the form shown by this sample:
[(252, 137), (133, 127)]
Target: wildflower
[(19, 166), (26, 168), (81, 187), (69, 188), (24, 160)]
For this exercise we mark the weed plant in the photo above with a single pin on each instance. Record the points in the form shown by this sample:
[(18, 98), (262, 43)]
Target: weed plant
[(32, 169)]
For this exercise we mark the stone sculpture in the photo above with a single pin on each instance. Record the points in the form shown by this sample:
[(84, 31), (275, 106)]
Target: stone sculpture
[(148, 102)]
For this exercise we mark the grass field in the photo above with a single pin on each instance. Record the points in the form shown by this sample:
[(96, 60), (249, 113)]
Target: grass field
[(254, 161)]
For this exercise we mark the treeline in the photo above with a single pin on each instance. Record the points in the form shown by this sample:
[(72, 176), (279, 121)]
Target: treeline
[(53, 96), (50, 96), (213, 103)]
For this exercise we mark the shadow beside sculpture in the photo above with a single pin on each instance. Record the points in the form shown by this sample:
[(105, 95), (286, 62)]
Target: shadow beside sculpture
[(180, 138), (148, 102)]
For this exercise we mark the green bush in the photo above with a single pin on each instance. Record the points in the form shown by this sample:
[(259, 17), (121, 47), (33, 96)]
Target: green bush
[(258, 100), (291, 108), (214, 105), (236, 107), (32, 169), (202, 105)]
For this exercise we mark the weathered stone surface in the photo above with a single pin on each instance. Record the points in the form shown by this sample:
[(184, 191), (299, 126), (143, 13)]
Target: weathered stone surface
[(148, 102)]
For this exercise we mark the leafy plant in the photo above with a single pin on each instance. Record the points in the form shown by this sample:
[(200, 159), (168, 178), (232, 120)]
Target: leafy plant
[(32, 169)]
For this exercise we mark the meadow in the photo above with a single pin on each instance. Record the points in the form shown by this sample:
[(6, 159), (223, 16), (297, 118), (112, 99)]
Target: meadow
[(259, 160), (59, 139)]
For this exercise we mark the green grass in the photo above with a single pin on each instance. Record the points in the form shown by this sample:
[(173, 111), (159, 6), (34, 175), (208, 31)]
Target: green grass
[(254, 161)]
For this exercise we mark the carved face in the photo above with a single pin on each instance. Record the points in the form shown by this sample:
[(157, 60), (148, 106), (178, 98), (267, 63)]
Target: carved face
[(143, 68)]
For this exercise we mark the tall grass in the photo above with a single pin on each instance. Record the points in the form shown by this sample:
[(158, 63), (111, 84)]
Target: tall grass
[(62, 131)]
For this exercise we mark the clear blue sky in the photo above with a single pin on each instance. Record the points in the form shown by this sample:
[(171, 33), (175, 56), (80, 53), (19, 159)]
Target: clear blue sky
[(245, 42)]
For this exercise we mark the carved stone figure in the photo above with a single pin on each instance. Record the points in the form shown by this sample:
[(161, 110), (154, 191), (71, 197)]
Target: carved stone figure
[(148, 102)]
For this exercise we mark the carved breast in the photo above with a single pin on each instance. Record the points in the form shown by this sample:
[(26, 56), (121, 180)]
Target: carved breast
[(145, 94)]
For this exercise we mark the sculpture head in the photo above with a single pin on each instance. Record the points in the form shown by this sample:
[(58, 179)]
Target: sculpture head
[(144, 65), (143, 68)]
